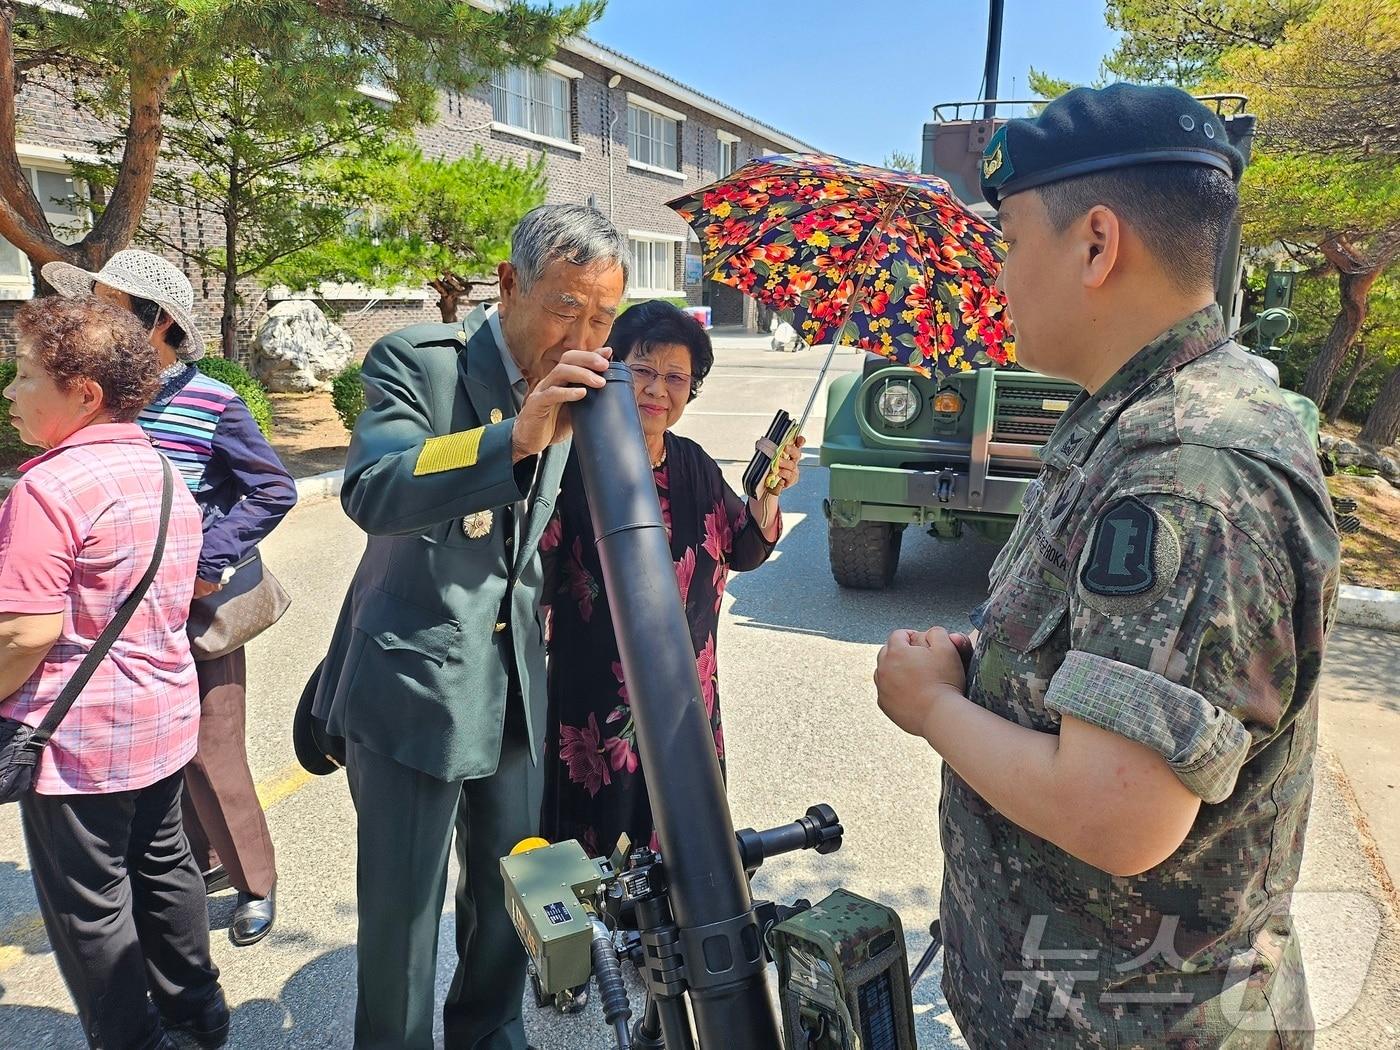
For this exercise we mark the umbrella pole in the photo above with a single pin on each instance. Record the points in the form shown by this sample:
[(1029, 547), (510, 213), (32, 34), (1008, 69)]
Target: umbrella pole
[(795, 429), (812, 398)]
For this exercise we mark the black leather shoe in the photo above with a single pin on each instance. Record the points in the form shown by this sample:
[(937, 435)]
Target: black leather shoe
[(252, 919), (209, 1027), (216, 880)]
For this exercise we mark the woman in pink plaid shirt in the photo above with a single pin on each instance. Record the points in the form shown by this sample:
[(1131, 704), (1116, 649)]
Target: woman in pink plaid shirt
[(112, 868)]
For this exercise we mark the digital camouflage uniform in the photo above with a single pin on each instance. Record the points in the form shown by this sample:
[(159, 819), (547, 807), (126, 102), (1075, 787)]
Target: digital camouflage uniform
[(1172, 580)]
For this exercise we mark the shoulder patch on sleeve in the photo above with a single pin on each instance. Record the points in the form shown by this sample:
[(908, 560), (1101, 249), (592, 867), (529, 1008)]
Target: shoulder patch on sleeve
[(1130, 561), (449, 452)]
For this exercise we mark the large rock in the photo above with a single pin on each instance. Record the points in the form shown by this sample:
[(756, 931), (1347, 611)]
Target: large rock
[(1355, 454), (298, 349)]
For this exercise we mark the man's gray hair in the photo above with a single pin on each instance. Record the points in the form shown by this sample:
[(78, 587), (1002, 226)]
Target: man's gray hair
[(571, 233)]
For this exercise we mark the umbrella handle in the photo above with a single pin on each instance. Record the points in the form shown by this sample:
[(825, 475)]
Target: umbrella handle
[(789, 436)]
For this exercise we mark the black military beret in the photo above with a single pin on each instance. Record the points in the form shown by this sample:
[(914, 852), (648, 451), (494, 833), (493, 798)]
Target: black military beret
[(1098, 129)]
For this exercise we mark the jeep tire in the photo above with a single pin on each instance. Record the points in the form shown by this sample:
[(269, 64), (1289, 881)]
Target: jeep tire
[(866, 556)]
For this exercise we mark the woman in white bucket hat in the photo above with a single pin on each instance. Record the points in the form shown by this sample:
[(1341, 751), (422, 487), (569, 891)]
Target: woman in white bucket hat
[(204, 428), (141, 276)]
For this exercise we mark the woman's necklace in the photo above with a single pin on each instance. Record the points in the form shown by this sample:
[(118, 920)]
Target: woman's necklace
[(657, 464)]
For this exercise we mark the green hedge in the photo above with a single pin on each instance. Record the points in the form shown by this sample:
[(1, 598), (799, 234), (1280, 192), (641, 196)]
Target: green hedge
[(627, 304), (348, 396), (253, 393), (13, 451)]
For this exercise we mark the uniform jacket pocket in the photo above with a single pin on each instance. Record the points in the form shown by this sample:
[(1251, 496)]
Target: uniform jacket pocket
[(393, 624), (1023, 613)]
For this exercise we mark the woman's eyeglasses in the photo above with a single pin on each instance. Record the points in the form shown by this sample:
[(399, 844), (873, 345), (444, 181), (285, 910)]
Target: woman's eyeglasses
[(642, 375)]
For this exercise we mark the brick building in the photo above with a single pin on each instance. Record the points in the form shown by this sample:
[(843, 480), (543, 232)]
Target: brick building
[(615, 133)]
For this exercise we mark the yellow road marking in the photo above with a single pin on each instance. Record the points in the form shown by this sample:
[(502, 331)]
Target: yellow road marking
[(25, 935), (288, 782)]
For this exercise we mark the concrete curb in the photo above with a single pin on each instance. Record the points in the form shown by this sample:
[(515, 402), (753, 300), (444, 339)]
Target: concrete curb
[(1369, 607), (320, 486)]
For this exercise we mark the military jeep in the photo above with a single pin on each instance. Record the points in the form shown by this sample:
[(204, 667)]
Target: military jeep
[(957, 453)]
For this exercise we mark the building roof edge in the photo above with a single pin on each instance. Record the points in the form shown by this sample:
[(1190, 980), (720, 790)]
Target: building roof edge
[(654, 78)]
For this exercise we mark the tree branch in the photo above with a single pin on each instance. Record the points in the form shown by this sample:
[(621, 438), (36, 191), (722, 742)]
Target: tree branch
[(22, 220), (131, 191)]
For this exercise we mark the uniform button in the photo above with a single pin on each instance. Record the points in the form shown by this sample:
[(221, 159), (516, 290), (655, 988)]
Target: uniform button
[(500, 627)]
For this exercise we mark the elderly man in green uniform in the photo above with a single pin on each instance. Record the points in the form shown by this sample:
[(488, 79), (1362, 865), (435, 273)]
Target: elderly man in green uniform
[(435, 675), (1128, 738)]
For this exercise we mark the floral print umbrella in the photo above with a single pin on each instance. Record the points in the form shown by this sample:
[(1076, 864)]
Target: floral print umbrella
[(853, 254)]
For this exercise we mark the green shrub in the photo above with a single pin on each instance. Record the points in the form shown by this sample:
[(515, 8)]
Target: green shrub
[(253, 393), (13, 451), (348, 396), (627, 304)]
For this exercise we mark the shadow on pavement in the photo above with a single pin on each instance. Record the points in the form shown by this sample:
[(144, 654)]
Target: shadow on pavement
[(315, 1008), (937, 583), (1362, 666)]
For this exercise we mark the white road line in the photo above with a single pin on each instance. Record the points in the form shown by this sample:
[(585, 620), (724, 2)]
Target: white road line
[(764, 415)]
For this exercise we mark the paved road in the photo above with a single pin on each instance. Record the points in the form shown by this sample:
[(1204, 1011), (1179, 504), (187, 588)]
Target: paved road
[(796, 656)]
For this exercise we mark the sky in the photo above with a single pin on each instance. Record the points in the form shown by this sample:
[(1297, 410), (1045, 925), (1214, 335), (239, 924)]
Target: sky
[(858, 79)]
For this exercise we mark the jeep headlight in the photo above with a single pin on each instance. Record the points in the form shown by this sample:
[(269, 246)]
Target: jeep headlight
[(898, 403)]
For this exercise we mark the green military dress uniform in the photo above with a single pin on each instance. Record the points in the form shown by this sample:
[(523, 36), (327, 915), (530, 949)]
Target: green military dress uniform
[(435, 678), (1171, 580)]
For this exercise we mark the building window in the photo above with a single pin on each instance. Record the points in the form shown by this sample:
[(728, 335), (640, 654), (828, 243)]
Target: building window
[(653, 267), (533, 100), (653, 138), (62, 198), (728, 154)]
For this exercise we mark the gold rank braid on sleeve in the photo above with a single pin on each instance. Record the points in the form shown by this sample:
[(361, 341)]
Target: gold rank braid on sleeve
[(449, 452)]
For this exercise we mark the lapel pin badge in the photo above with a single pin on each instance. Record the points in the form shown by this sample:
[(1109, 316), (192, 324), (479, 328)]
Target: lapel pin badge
[(477, 525)]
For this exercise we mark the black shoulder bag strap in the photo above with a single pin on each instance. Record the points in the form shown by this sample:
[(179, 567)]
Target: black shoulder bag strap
[(104, 643)]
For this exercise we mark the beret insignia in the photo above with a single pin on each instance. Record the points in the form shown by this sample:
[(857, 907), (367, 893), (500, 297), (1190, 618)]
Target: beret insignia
[(996, 160)]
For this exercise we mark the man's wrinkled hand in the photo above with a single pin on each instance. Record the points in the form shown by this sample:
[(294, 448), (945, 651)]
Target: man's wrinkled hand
[(544, 418), (911, 672)]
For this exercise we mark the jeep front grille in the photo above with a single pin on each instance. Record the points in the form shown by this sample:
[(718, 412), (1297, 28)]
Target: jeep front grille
[(1027, 414)]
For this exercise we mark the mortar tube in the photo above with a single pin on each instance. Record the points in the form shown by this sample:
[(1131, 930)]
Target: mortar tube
[(709, 894)]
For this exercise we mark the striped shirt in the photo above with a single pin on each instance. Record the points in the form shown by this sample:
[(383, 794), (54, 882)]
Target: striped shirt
[(182, 426), (76, 536), (241, 487)]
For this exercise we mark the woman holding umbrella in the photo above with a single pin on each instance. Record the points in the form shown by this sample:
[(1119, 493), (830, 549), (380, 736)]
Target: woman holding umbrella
[(594, 790)]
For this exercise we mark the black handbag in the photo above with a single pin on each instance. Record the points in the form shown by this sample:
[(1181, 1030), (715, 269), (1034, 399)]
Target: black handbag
[(20, 744)]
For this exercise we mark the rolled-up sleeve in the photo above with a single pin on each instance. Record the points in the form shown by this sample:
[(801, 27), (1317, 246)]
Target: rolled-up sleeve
[(1199, 667), (1205, 745)]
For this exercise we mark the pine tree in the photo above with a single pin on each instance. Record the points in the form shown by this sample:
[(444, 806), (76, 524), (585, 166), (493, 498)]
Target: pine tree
[(445, 222), (134, 55)]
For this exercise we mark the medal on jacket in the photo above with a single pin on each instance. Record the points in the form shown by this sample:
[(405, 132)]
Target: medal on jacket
[(477, 525)]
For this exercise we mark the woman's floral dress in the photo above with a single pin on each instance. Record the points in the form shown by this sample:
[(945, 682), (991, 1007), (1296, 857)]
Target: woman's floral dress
[(594, 790)]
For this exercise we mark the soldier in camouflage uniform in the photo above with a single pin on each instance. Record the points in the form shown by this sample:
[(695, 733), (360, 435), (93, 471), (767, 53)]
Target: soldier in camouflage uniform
[(1128, 738)]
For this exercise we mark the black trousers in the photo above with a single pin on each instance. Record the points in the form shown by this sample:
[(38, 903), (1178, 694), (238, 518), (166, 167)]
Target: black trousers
[(406, 822), (124, 908)]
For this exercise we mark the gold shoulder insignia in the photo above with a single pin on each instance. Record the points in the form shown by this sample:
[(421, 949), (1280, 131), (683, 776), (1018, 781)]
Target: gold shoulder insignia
[(449, 452)]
